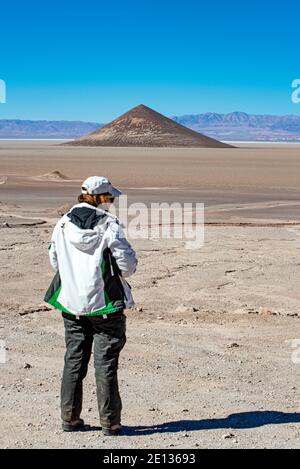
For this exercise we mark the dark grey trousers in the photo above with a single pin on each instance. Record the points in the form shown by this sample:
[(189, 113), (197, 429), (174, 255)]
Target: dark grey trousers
[(109, 338)]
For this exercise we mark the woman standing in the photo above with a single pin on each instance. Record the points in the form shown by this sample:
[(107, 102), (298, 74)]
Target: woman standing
[(91, 257)]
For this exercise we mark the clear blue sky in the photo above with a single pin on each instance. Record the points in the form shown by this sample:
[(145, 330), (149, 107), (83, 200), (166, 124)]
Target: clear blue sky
[(93, 60)]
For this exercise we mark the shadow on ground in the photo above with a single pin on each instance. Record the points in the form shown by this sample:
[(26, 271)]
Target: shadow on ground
[(240, 420)]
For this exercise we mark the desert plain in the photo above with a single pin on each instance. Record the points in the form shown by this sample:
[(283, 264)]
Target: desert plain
[(212, 356)]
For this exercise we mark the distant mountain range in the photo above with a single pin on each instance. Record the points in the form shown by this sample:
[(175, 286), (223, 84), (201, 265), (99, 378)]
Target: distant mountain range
[(45, 129), (245, 127), (234, 126)]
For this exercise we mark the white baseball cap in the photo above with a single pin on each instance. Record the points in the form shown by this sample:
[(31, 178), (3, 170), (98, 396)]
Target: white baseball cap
[(95, 185)]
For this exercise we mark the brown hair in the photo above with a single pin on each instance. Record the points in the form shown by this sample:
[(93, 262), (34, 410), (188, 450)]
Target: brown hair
[(92, 199)]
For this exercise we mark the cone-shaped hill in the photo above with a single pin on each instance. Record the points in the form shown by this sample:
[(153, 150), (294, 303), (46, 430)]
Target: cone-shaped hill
[(144, 127)]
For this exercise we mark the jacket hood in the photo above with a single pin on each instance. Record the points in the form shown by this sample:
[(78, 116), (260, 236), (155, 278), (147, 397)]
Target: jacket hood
[(81, 231)]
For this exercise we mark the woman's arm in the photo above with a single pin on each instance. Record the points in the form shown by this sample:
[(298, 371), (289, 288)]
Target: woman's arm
[(121, 249), (53, 255)]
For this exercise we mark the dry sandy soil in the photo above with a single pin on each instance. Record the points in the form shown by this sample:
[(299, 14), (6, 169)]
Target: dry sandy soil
[(209, 359)]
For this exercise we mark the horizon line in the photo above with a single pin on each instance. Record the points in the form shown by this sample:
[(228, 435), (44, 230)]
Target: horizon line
[(170, 116)]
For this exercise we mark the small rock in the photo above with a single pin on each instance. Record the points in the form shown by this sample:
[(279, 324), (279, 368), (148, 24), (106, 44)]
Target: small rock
[(7, 225), (185, 410), (34, 309), (27, 366), (139, 309), (233, 345), (159, 317), (152, 409), (228, 436)]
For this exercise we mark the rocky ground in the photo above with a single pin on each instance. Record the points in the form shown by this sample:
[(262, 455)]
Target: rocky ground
[(209, 359)]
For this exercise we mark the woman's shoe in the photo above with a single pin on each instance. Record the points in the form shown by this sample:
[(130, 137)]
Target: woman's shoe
[(111, 431), (73, 426)]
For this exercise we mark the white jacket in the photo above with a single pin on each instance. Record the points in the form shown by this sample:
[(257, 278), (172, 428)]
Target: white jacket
[(91, 257)]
